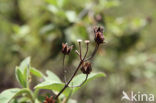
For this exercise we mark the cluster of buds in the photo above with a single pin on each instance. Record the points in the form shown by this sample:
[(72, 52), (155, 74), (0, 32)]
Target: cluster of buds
[(86, 68), (49, 100), (99, 38), (66, 49), (84, 65)]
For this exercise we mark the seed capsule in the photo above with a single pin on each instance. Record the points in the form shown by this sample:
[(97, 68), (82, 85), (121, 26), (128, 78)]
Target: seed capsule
[(66, 49), (86, 68), (99, 38)]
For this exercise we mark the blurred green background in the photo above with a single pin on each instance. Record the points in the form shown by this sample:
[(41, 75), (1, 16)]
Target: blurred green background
[(37, 28)]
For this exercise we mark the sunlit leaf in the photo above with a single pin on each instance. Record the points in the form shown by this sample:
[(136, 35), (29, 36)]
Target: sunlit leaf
[(80, 78), (7, 95), (71, 16), (36, 72), (52, 77), (37, 101), (22, 100), (72, 101), (22, 72), (25, 63), (54, 85), (20, 77), (52, 82)]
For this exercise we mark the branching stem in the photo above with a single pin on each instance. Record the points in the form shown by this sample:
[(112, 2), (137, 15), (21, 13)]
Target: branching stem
[(67, 84), (94, 52), (64, 70)]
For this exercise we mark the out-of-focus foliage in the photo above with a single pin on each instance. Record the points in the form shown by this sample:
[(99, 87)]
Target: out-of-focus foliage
[(37, 28)]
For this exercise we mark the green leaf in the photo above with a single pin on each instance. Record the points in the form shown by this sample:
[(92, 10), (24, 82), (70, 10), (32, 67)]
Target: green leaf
[(24, 99), (25, 63), (53, 86), (52, 77), (56, 85), (72, 101), (26, 75), (81, 77), (36, 72), (52, 82), (22, 73), (20, 77), (7, 95), (71, 16), (37, 101)]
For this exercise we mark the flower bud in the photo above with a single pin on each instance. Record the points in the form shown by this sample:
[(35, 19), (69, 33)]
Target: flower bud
[(66, 49), (87, 41), (86, 68), (49, 100), (79, 40), (99, 38)]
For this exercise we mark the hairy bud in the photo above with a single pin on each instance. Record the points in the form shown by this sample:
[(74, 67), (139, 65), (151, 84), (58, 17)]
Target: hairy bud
[(99, 38), (86, 68), (66, 49), (49, 100)]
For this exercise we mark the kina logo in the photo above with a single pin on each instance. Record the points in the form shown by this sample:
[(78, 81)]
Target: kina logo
[(135, 97)]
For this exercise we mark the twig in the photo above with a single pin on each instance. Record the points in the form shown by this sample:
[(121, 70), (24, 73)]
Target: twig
[(64, 70), (77, 52), (80, 51), (86, 52), (66, 99), (66, 85), (94, 52)]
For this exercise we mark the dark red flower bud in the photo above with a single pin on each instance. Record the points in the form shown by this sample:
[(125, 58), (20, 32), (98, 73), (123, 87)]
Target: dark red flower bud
[(66, 49), (86, 68), (49, 100), (99, 38)]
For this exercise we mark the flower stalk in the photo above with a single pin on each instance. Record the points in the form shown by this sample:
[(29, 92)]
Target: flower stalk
[(83, 64)]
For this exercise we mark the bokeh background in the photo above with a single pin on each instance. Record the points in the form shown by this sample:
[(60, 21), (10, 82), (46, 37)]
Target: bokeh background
[(37, 28)]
